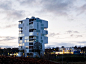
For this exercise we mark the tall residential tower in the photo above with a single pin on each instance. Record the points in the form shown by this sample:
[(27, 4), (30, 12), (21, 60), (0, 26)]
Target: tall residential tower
[(32, 31)]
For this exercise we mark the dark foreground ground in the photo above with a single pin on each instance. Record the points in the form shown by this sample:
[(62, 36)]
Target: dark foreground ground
[(23, 60)]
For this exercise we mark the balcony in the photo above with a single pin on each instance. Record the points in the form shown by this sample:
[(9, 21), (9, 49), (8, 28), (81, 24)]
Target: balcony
[(31, 26), (31, 44), (20, 25), (20, 48), (32, 38), (30, 47), (20, 22), (21, 35), (45, 32), (27, 50), (45, 24), (46, 40), (32, 33)]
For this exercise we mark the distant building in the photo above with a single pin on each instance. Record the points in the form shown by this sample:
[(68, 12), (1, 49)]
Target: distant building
[(31, 31)]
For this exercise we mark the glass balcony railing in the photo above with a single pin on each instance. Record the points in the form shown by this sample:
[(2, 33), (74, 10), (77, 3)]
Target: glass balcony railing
[(31, 26), (20, 35)]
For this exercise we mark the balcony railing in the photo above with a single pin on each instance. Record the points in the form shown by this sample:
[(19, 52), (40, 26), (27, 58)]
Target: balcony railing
[(31, 26), (32, 33), (20, 35)]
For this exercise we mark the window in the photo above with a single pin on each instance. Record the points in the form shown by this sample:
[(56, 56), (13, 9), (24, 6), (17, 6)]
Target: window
[(26, 37), (37, 37), (42, 24), (26, 47), (30, 50), (29, 53), (20, 32), (34, 30), (20, 44), (36, 40), (20, 35), (31, 20), (38, 30), (40, 21), (23, 44), (20, 28), (20, 41), (30, 43), (20, 38), (25, 40), (30, 47), (42, 34), (37, 25), (41, 40), (20, 22)]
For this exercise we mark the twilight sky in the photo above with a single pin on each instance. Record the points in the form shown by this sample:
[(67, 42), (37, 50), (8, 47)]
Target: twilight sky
[(66, 20)]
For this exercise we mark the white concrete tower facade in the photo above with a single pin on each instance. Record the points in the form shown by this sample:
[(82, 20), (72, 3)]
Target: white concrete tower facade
[(32, 30)]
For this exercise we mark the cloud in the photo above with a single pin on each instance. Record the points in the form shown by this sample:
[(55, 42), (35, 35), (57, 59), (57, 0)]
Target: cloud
[(65, 44), (82, 42), (13, 14), (8, 41), (9, 12), (53, 34), (75, 31), (6, 5), (27, 2), (6, 46), (9, 26), (81, 9), (76, 36), (6, 38), (49, 46), (58, 7), (79, 36), (71, 31)]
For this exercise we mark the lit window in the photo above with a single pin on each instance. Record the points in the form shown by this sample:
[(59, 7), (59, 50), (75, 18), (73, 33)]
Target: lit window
[(26, 47), (25, 40), (31, 41), (26, 37), (20, 44), (23, 44), (20, 41)]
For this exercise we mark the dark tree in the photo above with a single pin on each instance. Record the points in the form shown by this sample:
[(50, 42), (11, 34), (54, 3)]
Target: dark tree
[(37, 47)]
